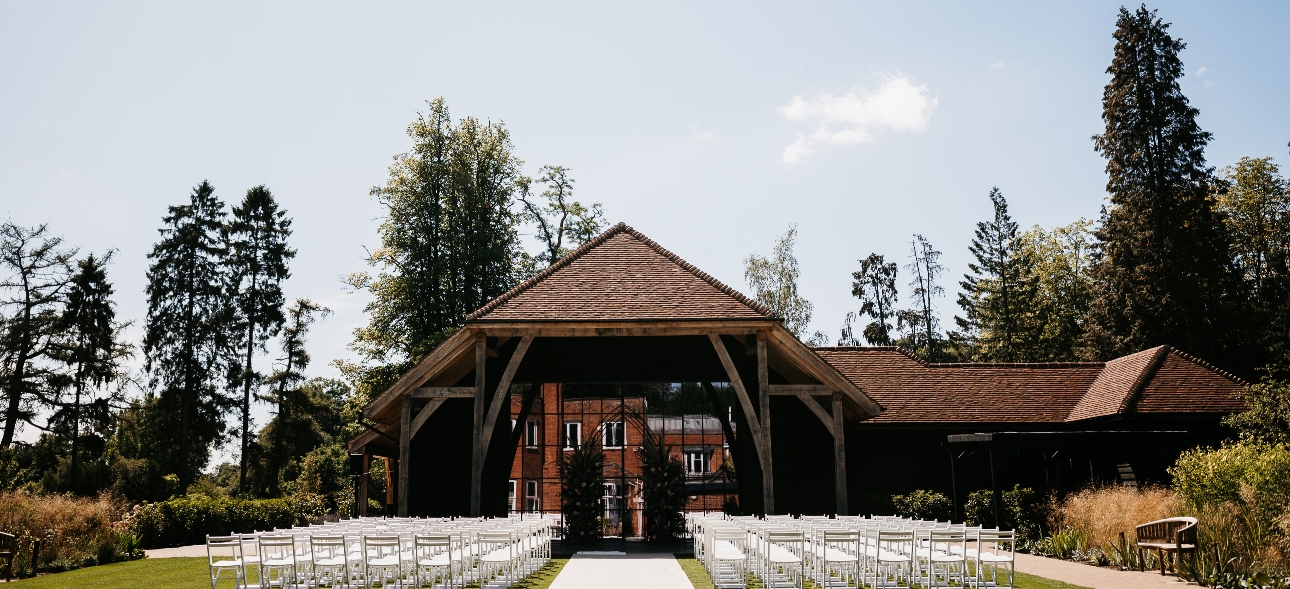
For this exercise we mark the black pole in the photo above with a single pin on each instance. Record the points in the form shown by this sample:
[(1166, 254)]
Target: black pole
[(954, 488), (994, 487)]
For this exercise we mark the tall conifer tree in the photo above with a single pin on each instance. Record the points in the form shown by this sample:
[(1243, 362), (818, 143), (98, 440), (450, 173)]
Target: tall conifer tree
[(1162, 276), (259, 258), (286, 394), (997, 294), (92, 347), (186, 344)]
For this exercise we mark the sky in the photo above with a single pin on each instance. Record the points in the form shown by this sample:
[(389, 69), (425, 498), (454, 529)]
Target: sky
[(710, 127)]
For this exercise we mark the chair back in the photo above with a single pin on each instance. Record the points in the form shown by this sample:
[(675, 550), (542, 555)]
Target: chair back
[(840, 542), (327, 548), (998, 542), (1173, 529), (223, 549), (380, 546), (276, 548), (431, 545)]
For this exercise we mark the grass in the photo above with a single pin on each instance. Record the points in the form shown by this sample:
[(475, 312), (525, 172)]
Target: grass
[(190, 573)]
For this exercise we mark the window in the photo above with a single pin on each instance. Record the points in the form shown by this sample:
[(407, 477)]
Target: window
[(615, 434), (531, 433), (572, 435), (696, 462), (531, 501), (511, 500)]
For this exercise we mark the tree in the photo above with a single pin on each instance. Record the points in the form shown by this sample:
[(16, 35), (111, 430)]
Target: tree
[(92, 345), (998, 294), (1060, 264), (448, 242), (1162, 269), (920, 325), (258, 257), (1266, 418), (773, 281), (288, 397), (186, 344), (875, 285), (562, 224), (1255, 202), (37, 269)]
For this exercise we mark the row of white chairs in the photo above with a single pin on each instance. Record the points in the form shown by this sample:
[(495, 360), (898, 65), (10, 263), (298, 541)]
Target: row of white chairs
[(784, 551), (389, 552)]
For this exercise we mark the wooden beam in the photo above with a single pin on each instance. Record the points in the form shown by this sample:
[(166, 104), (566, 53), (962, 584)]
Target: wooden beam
[(362, 484), (442, 393), (839, 456), (801, 355), (819, 412), (424, 415), (476, 446), (503, 391), (738, 384), (763, 393), (405, 453), (801, 389)]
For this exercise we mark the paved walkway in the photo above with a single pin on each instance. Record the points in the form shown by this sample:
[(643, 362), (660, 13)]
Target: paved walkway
[(1093, 577), (180, 551), (622, 571)]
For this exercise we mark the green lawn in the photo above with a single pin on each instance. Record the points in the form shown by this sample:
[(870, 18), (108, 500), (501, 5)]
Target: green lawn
[(190, 573)]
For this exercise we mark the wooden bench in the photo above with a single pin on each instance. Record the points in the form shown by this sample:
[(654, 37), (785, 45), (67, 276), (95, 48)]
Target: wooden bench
[(8, 552), (1174, 535)]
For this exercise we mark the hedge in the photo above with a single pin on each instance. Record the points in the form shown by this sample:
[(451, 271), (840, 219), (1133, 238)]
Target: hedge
[(188, 520)]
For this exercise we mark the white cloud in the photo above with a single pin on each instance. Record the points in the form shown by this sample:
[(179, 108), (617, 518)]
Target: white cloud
[(1201, 71), (998, 65), (857, 116)]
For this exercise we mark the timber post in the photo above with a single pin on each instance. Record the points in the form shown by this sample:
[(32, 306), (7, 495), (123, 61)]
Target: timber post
[(763, 394), (839, 456), (477, 446), (405, 454)]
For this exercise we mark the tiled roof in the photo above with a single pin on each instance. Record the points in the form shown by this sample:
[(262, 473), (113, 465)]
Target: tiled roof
[(1117, 384), (1159, 380), (620, 275)]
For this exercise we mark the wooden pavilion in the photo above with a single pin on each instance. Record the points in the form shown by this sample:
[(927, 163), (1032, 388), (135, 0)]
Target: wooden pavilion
[(620, 308)]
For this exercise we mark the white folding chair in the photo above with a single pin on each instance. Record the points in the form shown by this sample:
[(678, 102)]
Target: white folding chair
[(330, 564), (381, 560), (995, 549), (277, 554), (224, 553), (434, 560)]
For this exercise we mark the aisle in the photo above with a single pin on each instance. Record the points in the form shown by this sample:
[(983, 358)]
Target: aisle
[(622, 571)]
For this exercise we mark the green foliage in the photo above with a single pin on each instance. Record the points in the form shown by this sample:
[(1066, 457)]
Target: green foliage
[(1060, 263), (1266, 418), (1162, 274), (1022, 510), (258, 264), (997, 295), (922, 504), (773, 282), (919, 326), (875, 285), (562, 224), (663, 489), (1252, 473), (188, 520), (186, 344), (1254, 199), (582, 474), (448, 240), (293, 430)]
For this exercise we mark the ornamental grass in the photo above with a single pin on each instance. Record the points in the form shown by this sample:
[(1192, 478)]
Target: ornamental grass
[(73, 531)]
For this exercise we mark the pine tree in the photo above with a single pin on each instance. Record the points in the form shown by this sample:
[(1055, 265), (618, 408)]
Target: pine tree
[(448, 243), (288, 396), (1162, 273), (92, 345), (920, 325), (998, 294), (259, 258), (36, 270), (875, 285), (186, 344)]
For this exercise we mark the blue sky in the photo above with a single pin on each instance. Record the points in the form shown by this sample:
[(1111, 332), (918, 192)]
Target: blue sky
[(708, 126)]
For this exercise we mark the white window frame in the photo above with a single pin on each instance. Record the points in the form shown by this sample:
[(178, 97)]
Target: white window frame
[(514, 488), (531, 436), (532, 502), (572, 431), (612, 430), (704, 457)]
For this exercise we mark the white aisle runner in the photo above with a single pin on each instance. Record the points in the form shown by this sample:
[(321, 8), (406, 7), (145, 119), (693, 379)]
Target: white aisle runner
[(622, 571)]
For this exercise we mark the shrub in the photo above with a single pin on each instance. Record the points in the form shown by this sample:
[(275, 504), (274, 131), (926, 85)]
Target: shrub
[(74, 531), (188, 520), (1023, 511), (921, 504), (1098, 515), (663, 489), (582, 473)]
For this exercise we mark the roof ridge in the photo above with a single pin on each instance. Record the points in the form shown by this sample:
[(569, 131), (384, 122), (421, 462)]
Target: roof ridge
[(1145, 376), (1206, 365), (1017, 364), (581, 250)]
